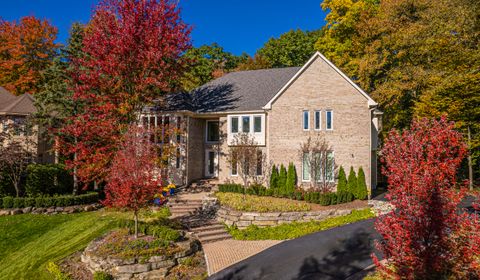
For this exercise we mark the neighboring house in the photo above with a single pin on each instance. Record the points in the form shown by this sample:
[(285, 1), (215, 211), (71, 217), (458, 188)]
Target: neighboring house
[(15, 112), (280, 108)]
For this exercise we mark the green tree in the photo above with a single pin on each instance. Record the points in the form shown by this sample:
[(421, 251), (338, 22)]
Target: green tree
[(254, 63), (342, 180), (291, 181), (282, 178), (206, 63), (352, 182), (274, 177), (292, 48), (362, 191)]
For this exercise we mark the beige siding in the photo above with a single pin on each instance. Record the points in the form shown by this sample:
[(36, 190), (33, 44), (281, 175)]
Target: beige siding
[(320, 87)]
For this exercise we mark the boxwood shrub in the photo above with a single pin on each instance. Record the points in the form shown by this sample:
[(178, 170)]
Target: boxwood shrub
[(48, 201)]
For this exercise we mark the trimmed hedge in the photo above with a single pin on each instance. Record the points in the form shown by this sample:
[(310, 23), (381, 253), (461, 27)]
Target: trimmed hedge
[(48, 201), (311, 197), (48, 179)]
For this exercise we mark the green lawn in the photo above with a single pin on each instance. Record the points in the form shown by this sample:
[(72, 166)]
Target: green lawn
[(28, 242)]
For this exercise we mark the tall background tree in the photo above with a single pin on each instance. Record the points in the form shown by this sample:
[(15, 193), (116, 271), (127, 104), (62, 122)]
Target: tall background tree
[(416, 58), (133, 54), (27, 48), (206, 63)]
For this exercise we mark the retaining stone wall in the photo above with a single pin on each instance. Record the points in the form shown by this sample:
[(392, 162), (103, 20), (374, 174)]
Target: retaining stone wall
[(244, 219), (155, 267), (51, 210)]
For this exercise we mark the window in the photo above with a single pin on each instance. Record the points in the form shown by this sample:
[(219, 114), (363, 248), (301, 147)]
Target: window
[(306, 167), (144, 121), (259, 163), (317, 120), (166, 130), (330, 167), (329, 125), (152, 122), (234, 166), (306, 119), (257, 124), (246, 124), (213, 133), (18, 126), (234, 124)]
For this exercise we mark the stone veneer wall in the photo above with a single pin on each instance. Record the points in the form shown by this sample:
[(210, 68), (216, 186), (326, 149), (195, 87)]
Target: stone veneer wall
[(155, 267), (244, 219)]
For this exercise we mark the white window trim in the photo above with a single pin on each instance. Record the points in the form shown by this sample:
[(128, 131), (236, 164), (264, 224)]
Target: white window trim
[(206, 132), (319, 120), (303, 120), (326, 119)]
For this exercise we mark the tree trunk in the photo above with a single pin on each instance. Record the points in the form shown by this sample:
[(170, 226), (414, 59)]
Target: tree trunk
[(17, 188), (135, 213), (470, 168), (75, 178)]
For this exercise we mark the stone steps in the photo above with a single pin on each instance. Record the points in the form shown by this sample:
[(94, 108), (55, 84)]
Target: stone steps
[(211, 232)]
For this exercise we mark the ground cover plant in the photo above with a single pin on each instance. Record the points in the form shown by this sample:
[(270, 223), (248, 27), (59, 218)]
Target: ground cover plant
[(297, 229), (253, 203)]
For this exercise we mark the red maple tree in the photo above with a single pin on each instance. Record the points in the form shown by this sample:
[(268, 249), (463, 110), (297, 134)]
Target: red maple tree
[(427, 236), (133, 54), (132, 179)]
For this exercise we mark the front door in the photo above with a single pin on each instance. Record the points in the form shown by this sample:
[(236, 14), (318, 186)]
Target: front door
[(211, 163)]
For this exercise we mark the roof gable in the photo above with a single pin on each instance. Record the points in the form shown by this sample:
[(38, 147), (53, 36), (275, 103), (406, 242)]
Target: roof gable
[(318, 55), (11, 104)]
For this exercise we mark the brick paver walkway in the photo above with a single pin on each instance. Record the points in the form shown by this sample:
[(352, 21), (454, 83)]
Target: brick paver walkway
[(222, 254)]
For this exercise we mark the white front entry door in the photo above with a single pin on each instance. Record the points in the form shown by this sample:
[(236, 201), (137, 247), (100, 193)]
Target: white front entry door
[(211, 163)]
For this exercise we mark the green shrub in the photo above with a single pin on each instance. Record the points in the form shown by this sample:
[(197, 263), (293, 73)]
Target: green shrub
[(282, 179), (274, 177), (362, 191), (352, 181), (342, 180), (56, 272), (235, 188), (48, 179), (291, 181), (39, 202), (18, 202), (298, 195), (7, 202), (325, 199), (29, 202), (101, 275)]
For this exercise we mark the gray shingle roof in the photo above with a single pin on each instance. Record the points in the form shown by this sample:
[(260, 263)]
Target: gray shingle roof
[(11, 104), (234, 92)]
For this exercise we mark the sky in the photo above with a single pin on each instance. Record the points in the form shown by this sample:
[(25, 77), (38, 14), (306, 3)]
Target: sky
[(238, 26)]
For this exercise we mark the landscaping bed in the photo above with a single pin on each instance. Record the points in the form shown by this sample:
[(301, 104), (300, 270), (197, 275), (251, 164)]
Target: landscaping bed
[(261, 204), (296, 229)]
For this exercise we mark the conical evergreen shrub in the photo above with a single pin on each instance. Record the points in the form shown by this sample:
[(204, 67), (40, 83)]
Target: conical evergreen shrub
[(282, 179), (291, 179), (352, 182), (362, 191), (342, 180), (274, 177)]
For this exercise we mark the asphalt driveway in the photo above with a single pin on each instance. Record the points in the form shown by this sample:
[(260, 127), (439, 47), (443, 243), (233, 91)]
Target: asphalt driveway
[(338, 253)]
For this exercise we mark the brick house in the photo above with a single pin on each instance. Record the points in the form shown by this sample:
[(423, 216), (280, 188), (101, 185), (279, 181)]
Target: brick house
[(14, 115), (280, 108)]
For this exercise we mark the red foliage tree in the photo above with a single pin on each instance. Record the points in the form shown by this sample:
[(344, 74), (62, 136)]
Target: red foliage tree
[(426, 237), (133, 52), (132, 179)]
